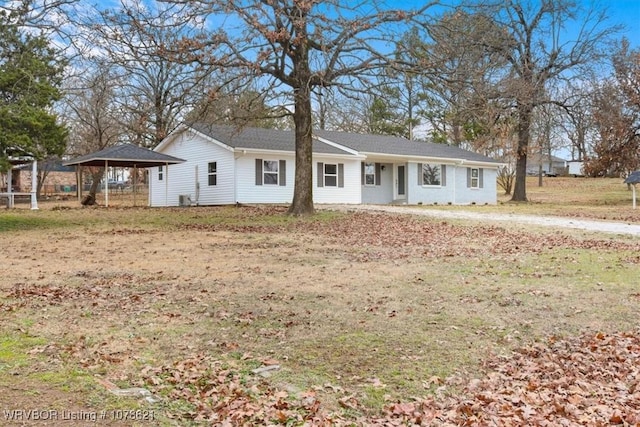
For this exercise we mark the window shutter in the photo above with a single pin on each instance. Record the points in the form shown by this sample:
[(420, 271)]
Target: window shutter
[(258, 171), (320, 174), (340, 175), (468, 177), (283, 173), (378, 169), (362, 173), (480, 177), (443, 175), (419, 173)]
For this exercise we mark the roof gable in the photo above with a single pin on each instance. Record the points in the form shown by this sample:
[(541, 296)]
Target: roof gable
[(262, 139)]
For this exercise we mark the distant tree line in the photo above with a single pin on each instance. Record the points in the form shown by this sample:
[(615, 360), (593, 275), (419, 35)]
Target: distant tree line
[(502, 79)]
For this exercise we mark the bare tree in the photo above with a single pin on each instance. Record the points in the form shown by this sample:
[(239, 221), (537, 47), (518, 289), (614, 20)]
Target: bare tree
[(538, 52), (94, 117), (577, 122), (295, 46), (617, 117), (156, 87)]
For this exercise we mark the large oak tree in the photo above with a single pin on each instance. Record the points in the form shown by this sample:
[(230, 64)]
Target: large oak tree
[(294, 47), (540, 48)]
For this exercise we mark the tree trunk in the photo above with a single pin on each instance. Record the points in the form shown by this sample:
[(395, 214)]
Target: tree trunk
[(95, 182), (303, 191), (302, 203), (524, 123)]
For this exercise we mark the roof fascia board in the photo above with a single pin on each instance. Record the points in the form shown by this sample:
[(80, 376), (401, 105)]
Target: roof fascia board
[(180, 130), (170, 138), (428, 159), (211, 139), (240, 150), (336, 145)]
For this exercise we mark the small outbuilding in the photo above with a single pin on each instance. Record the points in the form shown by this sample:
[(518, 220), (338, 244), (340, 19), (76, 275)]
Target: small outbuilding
[(126, 156)]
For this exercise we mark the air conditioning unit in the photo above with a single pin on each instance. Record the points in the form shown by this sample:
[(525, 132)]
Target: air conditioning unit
[(184, 200)]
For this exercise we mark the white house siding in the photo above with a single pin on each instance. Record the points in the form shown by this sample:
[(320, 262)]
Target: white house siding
[(249, 192), (455, 191), (488, 194), (350, 193), (380, 194), (180, 179)]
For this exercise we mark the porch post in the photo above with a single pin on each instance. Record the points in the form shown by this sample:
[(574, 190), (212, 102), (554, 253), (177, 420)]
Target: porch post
[(34, 185), (9, 187), (106, 183)]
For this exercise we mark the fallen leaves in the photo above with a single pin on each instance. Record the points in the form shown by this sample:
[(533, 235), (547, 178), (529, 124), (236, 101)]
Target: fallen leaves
[(589, 381), (372, 236)]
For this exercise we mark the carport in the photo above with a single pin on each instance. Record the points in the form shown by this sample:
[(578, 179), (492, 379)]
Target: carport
[(125, 156)]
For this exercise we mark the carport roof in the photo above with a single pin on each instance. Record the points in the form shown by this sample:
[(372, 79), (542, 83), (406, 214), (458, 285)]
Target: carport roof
[(124, 155)]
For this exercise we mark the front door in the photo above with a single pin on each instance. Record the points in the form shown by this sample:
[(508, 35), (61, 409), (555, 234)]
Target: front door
[(401, 182)]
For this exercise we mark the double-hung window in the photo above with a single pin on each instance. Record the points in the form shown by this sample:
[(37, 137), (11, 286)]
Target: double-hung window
[(330, 175), (212, 172), (369, 174), (475, 177), (160, 173), (270, 172)]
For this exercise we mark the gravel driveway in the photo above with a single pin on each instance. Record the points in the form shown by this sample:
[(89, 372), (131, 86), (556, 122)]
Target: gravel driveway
[(548, 221)]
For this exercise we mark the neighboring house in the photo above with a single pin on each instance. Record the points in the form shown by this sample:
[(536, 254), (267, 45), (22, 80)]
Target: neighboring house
[(59, 178), (225, 165), (556, 166)]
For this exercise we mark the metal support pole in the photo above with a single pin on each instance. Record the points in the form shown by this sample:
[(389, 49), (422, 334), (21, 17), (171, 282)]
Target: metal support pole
[(34, 185)]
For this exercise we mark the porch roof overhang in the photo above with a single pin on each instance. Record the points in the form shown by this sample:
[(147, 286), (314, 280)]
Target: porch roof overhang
[(428, 159)]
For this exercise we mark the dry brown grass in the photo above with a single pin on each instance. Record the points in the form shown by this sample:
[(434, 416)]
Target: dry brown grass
[(365, 304)]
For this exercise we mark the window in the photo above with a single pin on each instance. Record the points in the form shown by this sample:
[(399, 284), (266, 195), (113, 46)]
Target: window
[(475, 178), (270, 172), (330, 175), (369, 174), (213, 173), (160, 173), (431, 174)]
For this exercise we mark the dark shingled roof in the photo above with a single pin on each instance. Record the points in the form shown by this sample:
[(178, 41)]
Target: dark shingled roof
[(382, 144), (259, 138), (124, 155), (284, 140)]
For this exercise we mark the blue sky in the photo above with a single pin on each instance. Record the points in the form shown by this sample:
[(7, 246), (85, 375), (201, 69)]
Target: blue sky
[(624, 12), (627, 12)]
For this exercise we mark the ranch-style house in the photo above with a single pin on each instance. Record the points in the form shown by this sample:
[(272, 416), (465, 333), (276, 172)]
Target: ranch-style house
[(228, 165)]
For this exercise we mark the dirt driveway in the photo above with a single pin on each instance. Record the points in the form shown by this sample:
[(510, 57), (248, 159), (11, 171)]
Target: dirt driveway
[(546, 221)]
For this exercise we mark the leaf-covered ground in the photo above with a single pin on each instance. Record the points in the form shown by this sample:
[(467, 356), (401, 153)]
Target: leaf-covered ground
[(353, 307), (584, 381)]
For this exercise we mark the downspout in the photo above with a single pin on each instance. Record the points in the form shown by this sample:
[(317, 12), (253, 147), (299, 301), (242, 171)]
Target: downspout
[(166, 184), (197, 188)]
